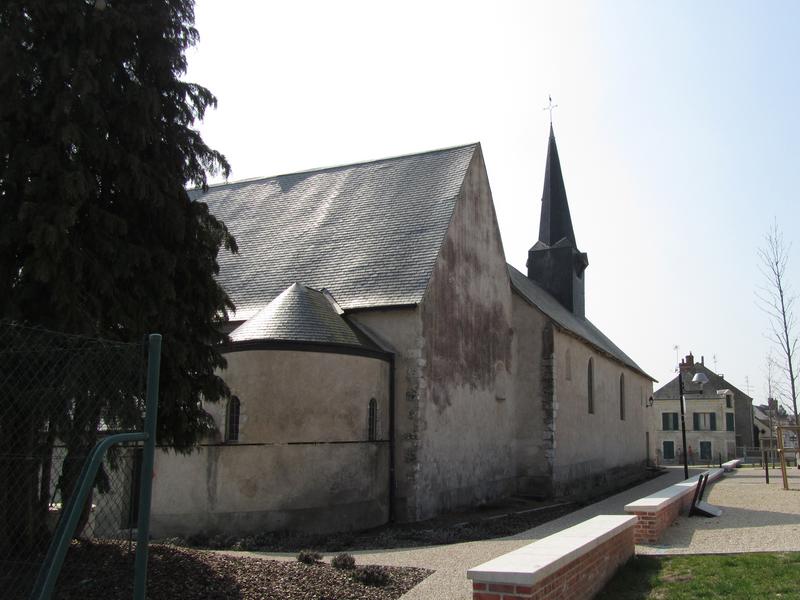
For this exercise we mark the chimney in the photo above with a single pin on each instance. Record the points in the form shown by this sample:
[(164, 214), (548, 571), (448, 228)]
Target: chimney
[(702, 360), (688, 361)]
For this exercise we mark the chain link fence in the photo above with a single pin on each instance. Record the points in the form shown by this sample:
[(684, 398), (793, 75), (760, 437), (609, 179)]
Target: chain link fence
[(59, 396)]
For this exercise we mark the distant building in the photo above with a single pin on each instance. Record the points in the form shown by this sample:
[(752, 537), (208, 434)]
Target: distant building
[(766, 419), (718, 421)]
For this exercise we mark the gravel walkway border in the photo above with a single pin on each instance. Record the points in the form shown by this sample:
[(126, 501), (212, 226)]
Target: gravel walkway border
[(756, 517)]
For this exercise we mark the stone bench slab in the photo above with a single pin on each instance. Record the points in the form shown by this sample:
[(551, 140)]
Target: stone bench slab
[(662, 498), (531, 563)]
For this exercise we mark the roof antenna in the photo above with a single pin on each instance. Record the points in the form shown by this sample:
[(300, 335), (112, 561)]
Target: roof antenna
[(550, 106)]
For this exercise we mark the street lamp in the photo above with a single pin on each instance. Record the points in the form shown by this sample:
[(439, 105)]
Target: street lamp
[(702, 379)]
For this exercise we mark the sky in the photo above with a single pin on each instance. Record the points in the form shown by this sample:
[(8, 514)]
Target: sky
[(677, 126)]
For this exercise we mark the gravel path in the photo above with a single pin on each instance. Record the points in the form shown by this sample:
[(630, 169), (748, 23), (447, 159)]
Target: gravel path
[(756, 517), (450, 562)]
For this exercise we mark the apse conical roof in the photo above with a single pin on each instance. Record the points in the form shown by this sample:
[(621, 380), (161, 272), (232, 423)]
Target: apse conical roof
[(298, 314)]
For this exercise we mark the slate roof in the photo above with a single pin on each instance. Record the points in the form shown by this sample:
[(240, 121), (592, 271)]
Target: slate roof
[(716, 382), (298, 314), (368, 232), (567, 320)]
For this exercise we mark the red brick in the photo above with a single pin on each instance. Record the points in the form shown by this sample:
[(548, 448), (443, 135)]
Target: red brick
[(485, 596), (501, 587), (478, 586), (523, 589)]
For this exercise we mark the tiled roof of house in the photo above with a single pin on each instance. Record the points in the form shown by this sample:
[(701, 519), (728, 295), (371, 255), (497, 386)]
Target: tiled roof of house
[(566, 319), (368, 232), (716, 382), (298, 314)]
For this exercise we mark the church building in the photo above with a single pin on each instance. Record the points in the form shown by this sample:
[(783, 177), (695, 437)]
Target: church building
[(388, 364)]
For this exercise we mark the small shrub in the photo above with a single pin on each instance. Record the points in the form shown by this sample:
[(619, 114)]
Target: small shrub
[(343, 561), (373, 575), (309, 557)]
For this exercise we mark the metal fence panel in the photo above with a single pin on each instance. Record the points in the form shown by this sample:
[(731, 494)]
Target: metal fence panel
[(59, 396)]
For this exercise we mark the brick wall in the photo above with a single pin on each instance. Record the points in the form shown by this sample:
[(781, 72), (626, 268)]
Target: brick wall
[(578, 580), (651, 524)]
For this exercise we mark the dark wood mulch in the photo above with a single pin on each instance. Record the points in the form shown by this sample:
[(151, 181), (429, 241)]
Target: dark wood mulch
[(104, 571)]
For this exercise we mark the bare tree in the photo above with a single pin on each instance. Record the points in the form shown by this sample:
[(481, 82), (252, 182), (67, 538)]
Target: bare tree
[(777, 300)]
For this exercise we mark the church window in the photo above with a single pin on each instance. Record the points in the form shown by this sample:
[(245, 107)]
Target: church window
[(373, 420), (622, 396), (232, 425), (568, 365), (590, 385)]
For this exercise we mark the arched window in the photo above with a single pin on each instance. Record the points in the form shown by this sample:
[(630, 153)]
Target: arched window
[(373, 419), (568, 365), (622, 396), (232, 424), (590, 385)]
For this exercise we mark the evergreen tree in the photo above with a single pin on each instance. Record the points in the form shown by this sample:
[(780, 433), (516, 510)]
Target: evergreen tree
[(98, 235)]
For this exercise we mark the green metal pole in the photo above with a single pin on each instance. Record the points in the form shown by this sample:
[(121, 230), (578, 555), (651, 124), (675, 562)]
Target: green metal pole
[(148, 456), (60, 544)]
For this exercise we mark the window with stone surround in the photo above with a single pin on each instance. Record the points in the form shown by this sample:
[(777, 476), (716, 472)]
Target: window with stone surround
[(232, 421), (729, 422), (704, 421), (373, 420), (590, 385), (668, 449), (568, 365), (669, 421), (705, 450)]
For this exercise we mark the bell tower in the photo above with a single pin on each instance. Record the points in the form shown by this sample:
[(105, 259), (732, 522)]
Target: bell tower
[(555, 262)]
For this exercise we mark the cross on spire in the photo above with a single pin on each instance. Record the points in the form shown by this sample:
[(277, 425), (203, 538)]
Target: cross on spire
[(550, 106)]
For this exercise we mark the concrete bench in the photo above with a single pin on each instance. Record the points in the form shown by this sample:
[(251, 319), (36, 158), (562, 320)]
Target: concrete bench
[(658, 511), (732, 464), (572, 564)]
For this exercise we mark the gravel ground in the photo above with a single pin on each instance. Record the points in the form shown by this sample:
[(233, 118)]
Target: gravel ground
[(756, 517), (450, 562), (103, 571)]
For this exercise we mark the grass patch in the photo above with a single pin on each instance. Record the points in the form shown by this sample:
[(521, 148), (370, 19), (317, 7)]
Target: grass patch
[(730, 576)]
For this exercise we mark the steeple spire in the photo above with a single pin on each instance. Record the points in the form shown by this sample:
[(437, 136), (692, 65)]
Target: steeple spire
[(555, 222), (555, 262)]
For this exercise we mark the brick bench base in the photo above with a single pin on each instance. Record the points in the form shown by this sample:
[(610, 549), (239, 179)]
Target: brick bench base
[(655, 513), (576, 575)]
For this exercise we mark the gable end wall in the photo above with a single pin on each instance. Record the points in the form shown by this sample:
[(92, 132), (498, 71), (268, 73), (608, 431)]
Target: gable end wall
[(466, 419)]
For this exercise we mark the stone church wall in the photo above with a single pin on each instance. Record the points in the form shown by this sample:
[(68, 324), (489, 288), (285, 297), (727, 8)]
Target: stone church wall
[(303, 459), (466, 407), (532, 409), (400, 330), (596, 450)]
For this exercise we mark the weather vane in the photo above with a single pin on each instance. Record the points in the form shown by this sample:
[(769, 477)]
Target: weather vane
[(550, 106)]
